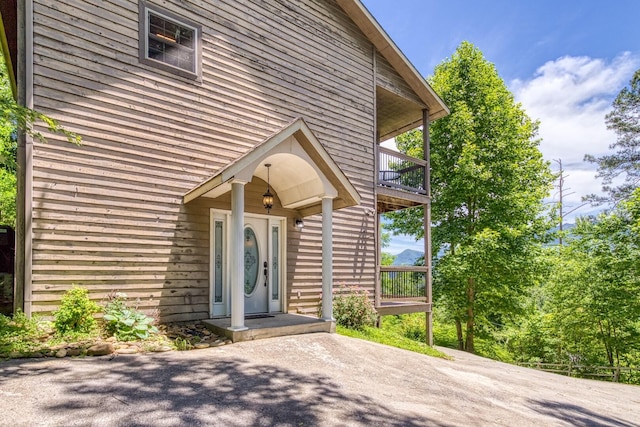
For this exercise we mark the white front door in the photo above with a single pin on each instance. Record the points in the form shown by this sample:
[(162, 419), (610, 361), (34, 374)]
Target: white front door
[(256, 266), (263, 242)]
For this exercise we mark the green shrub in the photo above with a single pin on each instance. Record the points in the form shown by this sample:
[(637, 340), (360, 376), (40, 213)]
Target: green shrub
[(414, 327), (75, 314), (125, 323), (20, 333), (182, 344), (353, 309)]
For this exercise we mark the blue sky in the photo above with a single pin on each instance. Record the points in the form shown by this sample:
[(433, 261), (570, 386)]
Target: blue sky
[(565, 60)]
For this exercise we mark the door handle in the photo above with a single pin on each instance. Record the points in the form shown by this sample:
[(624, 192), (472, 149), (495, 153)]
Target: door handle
[(266, 272)]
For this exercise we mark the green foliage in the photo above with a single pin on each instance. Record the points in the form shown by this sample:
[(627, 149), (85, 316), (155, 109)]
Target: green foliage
[(594, 292), (75, 314), (390, 338), (7, 197), (444, 334), (488, 183), (125, 323), (353, 309), (533, 339), (182, 344), (411, 326), (625, 121), (20, 333), (8, 149), (387, 258), (587, 310)]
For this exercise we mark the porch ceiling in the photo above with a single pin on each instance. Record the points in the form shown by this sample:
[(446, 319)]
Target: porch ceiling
[(301, 173), (395, 114)]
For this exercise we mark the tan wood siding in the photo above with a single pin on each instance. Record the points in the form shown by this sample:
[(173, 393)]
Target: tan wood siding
[(389, 79), (109, 215)]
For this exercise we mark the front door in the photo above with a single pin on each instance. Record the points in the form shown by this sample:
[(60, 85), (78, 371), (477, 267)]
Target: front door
[(256, 266), (263, 239)]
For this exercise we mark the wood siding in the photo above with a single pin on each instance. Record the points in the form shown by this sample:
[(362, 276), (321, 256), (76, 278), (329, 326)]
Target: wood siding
[(387, 78), (108, 215)]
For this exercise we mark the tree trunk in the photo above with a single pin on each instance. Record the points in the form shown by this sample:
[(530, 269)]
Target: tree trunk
[(471, 293), (459, 333), (606, 338)]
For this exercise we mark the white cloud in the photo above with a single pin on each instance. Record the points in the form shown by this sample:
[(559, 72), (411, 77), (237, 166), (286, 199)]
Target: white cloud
[(571, 96)]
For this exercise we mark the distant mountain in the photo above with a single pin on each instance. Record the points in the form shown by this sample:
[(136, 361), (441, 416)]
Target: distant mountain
[(407, 257), (566, 227)]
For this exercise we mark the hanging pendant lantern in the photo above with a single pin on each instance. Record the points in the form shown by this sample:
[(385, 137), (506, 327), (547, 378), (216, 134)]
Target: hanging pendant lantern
[(267, 198)]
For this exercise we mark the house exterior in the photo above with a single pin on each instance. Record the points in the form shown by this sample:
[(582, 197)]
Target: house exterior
[(190, 113)]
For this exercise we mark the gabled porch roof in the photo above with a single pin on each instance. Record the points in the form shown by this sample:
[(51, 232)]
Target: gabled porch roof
[(301, 172)]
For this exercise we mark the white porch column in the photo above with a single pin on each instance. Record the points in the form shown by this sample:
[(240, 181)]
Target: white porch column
[(237, 249), (327, 258)]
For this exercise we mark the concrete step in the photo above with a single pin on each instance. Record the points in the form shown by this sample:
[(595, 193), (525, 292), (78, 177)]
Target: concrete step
[(270, 326)]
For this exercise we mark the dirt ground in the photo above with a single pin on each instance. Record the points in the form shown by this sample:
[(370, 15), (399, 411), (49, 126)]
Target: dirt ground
[(306, 380)]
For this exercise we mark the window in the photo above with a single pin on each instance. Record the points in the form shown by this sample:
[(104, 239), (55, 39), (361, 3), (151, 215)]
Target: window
[(169, 42), (275, 261), (218, 259)]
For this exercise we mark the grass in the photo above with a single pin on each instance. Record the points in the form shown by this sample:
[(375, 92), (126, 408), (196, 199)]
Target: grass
[(407, 331), (391, 338)]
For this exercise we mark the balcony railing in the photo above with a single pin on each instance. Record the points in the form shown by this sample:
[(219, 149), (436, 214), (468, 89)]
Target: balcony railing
[(397, 170), (403, 282)]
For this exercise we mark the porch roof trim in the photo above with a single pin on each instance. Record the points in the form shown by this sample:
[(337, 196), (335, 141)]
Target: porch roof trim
[(347, 195)]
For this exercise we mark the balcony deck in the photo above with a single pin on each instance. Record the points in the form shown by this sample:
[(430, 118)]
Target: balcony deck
[(401, 181), (403, 290)]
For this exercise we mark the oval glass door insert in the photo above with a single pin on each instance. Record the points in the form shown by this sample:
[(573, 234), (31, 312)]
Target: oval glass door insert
[(251, 261)]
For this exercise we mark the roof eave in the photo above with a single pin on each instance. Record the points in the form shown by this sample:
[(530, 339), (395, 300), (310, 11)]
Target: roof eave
[(387, 48)]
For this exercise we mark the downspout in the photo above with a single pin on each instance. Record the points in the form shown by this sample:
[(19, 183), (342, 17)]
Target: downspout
[(24, 205)]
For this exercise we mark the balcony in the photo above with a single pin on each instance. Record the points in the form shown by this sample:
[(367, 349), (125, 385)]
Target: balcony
[(403, 289), (401, 181)]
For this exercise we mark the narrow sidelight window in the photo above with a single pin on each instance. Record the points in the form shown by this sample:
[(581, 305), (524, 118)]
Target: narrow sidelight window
[(275, 263), (218, 253)]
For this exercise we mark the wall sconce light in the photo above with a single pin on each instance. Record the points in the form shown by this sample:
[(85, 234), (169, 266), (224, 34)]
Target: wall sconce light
[(299, 224), (267, 198)]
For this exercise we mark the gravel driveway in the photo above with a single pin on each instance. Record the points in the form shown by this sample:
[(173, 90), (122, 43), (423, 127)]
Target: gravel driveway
[(306, 380)]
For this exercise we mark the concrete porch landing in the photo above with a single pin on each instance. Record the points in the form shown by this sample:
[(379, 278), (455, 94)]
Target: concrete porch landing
[(276, 325)]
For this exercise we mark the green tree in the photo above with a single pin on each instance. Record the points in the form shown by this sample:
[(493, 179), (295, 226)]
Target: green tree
[(488, 182), (594, 292), (624, 119), (385, 240), (7, 154)]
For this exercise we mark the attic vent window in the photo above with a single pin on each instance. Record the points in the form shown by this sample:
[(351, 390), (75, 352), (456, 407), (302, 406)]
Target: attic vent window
[(169, 42)]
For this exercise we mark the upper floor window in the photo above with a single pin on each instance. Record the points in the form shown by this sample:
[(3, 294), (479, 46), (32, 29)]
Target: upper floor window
[(169, 42)]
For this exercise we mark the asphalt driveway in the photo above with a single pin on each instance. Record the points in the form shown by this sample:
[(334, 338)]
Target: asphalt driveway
[(307, 380)]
